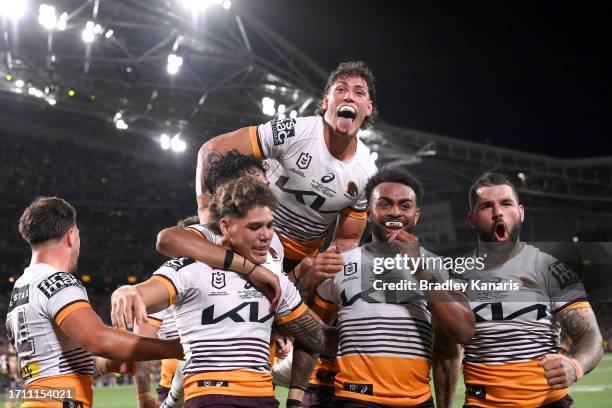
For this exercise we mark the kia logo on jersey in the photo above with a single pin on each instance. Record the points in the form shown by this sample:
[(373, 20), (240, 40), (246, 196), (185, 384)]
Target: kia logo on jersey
[(328, 178), (303, 161)]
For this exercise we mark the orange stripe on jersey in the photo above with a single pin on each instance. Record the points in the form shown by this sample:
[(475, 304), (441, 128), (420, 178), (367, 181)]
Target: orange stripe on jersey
[(255, 142), (69, 308), (239, 383), (294, 314), (297, 250), (324, 304), (349, 212), (509, 385), (154, 321), (573, 305), (168, 368), (80, 386), (324, 372), (168, 285), (394, 380)]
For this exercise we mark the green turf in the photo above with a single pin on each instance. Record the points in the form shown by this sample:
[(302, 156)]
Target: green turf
[(594, 390)]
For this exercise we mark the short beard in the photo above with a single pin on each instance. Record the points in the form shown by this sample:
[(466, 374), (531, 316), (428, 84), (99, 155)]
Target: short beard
[(501, 248)]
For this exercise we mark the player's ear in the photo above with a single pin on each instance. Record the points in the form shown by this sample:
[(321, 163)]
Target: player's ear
[(522, 212), (71, 237), (224, 225), (417, 214), (324, 102)]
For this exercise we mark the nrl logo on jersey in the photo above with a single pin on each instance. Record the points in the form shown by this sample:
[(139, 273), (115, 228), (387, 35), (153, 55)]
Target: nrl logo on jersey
[(304, 161), (281, 130), (218, 280), (350, 268)]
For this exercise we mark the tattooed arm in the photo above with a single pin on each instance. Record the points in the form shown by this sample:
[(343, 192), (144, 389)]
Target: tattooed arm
[(209, 153), (586, 351)]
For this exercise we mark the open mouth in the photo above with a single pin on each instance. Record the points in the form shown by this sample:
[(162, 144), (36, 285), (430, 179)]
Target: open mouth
[(347, 112), (500, 232), (261, 250), (393, 225)]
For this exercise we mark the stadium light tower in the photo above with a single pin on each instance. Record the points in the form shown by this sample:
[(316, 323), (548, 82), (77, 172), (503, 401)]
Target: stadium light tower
[(13, 9), (174, 64), (88, 33), (177, 144), (47, 17)]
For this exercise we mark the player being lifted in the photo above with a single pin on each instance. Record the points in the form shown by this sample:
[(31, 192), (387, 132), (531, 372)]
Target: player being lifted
[(318, 167), (514, 359), (224, 323), (50, 322), (386, 337)]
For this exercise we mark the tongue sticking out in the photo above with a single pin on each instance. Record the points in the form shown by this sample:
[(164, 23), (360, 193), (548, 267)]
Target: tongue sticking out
[(346, 115)]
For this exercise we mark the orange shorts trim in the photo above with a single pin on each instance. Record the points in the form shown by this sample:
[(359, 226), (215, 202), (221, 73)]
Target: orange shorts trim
[(239, 383), (80, 386), (168, 369)]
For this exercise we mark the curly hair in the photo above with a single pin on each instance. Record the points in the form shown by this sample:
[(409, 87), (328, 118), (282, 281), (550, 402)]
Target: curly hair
[(352, 69), (236, 198), (230, 166), (395, 175), (47, 218)]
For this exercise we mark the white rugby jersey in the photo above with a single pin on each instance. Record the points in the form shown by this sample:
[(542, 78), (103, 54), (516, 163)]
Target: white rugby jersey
[(384, 355), (276, 252), (41, 299), (312, 186), (225, 327), (515, 327), (166, 323)]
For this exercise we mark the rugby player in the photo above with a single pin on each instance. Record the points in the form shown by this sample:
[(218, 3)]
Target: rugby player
[(514, 358), (219, 317), (386, 337), (318, 168), (50, 322)]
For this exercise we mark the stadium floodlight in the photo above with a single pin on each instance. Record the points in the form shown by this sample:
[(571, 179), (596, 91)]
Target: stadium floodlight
[(282, 116), (174, 64), (19, 83), (47, 17), (281, 108), (121, 124), (109, 34), (98, 29), (13, 9), (88, 33), (227, 4), (177, 144), (18, 90), (522, 176), (268, 106), (35, 92), (62, 22), (51, 101), (293, 114), (164, 141)]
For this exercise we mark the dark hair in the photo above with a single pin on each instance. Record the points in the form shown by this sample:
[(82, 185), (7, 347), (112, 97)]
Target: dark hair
[(236, 198), (352, 69), (229, 167), (191, 220), (488, 180), (45, 219), (394, 175)]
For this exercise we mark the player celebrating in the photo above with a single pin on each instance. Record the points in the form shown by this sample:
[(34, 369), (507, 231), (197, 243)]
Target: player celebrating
[(513, 359), (386, 337), (318, 169), (219, 317), (50, 322)]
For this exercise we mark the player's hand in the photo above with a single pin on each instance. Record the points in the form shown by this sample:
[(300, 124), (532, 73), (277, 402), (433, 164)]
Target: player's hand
[(126, 306), (303, 267), (406, 242), (268, 283), (284, 346), (558, 370), (326, 265)]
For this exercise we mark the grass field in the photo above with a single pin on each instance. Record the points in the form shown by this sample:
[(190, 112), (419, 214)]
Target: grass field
[(594, 390)]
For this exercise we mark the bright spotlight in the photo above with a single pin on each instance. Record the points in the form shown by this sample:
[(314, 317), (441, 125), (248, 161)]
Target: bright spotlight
[(227, 4), (71, 92), (268, 106), (178, 145), (164, 141), (121, 124), (174, 64), (35, 92), (51, 101), (282, 116), (63, 20), (281, 108), (109, 34), (293, 114), (47, 17), (13, 9), (19, 83), (88, 33)]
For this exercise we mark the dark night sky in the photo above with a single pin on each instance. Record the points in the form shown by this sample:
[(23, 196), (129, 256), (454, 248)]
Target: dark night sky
[(533, 76)]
